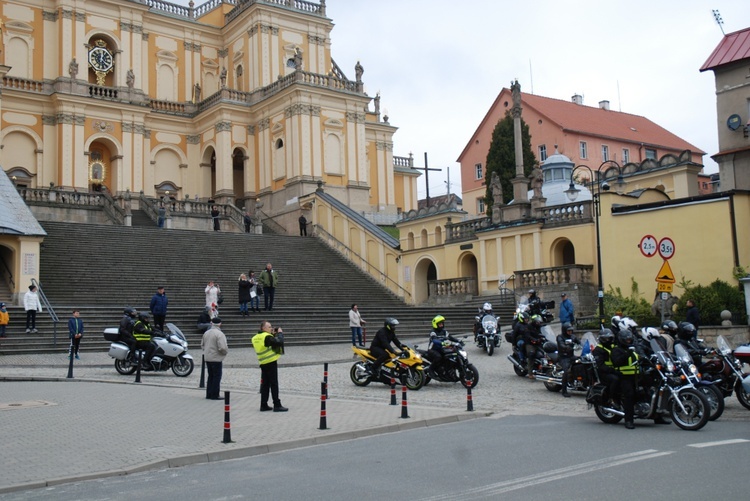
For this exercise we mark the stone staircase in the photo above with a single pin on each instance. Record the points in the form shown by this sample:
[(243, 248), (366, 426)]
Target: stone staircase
[(102, 268), (140, 218)]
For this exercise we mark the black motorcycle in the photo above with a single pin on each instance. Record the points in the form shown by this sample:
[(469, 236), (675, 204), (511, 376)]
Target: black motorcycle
[(725, 371), (454, 366), (545, 358), (660, 390), (582, 368)]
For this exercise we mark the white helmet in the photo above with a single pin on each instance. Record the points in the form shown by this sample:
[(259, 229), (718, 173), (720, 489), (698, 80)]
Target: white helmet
[(628, 324), (487, 308), (649, 333)]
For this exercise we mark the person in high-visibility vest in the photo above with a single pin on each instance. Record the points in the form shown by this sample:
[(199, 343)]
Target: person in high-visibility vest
[(603, 356), (269, 346), (625, 362), (142, 333)]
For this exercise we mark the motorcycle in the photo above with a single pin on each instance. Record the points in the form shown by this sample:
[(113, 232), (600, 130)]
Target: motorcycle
[(712, 393), (545, 358), (487, 336), (406, 368), (454, 367), (170, 353), (582, 372), (725, 371), (660, 390)]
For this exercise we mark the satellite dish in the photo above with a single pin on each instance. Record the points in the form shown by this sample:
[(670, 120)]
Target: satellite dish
[(734, 122)]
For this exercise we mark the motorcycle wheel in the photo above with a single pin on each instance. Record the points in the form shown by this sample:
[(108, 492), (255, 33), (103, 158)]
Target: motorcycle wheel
[(742, 395), (124, 367), (490, 348), (520, 372), (358, 375), (470, 375), (183, 367), (697, 408), (605, 416), (715, 399), (553, 387), (413, 379)]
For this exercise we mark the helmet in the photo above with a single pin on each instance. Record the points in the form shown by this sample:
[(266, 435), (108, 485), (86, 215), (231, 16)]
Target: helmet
[(440, 319), (616, 322), (391, 323), (143, 316), (523, 317), (625, 338), (670, 327), (487, 308), (536, 320), (685, 330), (532, 292), (628, 324), (648, 333), (606, 336), (567, 326), (130, 311)]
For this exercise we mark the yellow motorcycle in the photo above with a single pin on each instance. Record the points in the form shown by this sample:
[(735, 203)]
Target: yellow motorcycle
[(405, 368)]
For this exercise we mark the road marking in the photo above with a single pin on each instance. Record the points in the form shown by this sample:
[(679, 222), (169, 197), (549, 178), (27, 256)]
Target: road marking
[(720, 442), (493, 490)]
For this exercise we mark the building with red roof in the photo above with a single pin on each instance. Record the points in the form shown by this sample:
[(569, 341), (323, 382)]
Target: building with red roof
[(729, 62), (587, 135)]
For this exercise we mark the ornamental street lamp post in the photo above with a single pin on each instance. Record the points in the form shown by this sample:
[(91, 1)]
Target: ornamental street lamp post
[(572, 194)]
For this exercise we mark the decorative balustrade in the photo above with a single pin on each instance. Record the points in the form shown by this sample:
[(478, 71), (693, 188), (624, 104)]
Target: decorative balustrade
[(177, 108), (300, 5), (575, 213), (403, 161), (25, 84), (560, 275), (452, 286), (58, 196), (465, 230), (170, 8), (101, 92)]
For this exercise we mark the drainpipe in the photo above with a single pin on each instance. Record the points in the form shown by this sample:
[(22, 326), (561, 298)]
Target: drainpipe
[(733, 225)]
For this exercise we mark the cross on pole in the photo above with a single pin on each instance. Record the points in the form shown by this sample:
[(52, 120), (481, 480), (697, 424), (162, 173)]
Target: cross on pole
[(427, 176)]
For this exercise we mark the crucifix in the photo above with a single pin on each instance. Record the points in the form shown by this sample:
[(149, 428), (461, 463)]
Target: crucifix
[(426, 176)]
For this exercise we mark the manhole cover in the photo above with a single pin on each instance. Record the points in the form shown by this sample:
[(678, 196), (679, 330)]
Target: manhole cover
[(28, 404)]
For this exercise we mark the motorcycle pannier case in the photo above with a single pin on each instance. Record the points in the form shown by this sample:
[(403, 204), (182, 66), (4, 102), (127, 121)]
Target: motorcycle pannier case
[(596, 394), (509, 336), (111, 334), (118, 351)]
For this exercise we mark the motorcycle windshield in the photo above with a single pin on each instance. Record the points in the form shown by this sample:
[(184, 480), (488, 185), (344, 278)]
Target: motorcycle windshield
[(489, 324), (549, 334), (663, 356), (172, 328), (588, 343), (724, 347), (683, 355)]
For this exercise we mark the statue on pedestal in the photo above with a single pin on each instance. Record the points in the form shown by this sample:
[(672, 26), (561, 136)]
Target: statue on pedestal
[(497, 190), (537, 180)]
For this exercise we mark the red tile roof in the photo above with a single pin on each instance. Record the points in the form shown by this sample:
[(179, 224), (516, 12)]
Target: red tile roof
[(733, 47)]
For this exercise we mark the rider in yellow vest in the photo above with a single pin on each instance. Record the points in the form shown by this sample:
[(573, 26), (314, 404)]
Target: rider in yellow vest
[(268, 348), (625, 362), (142, 333), (603, 355)]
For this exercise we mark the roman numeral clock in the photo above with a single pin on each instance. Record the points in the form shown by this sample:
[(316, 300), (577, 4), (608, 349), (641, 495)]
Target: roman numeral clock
[(101, 60)]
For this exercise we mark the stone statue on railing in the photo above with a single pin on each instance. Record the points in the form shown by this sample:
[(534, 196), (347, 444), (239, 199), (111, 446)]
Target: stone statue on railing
[(376, 102), (126, 201), (223, 77), (197, 93), (537, 180), (497, 190), (73, 69), (130, 78), (358, 71), (297, 59)]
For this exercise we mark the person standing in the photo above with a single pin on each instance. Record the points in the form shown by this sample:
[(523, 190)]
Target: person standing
[(254, 292), (693, 315), (269, 348), (214, 346), (215, 217), (567, 311), (247, 220), (243, 293), (31, 304), (162, 216), (75, 331), (565, 342), (625, 362), (302, 225), (355, 323), (269, 279), (212, 294), (4, 319), (158, 307)]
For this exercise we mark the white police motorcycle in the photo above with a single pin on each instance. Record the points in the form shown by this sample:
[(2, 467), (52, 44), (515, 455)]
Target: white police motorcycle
[(487, 332), (171, 352)]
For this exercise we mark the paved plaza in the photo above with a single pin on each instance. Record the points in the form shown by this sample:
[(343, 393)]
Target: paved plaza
[(100, 423)]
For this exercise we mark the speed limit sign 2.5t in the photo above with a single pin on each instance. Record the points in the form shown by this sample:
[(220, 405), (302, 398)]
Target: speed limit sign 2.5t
[(666, 248)]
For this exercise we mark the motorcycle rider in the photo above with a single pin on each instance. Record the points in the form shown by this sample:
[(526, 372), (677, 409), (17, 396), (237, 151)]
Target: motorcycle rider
[(603, 356), (565, 342), (686, 336), (382, 342), (125, 332), (438, 337), (486, 309), (533, 337), (143, 332), (625, 362), (615, 324), (520, 326)]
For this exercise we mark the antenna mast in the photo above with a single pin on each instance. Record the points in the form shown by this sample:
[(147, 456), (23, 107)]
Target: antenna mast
[(719, 20)]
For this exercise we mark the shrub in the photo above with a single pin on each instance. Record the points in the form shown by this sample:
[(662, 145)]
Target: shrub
[(634, 306), (711, 300)]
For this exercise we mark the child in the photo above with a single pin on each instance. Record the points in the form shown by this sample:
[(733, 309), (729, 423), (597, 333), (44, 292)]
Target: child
[(75, 331), (4, 319)]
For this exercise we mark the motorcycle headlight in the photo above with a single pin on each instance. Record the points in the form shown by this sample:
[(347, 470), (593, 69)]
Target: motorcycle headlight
[(670, 366), (418, 356), (462, 353), (185, 345), (693, 369)]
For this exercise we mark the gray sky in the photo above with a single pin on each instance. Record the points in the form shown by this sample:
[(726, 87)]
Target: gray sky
[(439, 64)]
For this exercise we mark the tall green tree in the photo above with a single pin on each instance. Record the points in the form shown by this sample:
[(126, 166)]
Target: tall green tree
[(501, 158)]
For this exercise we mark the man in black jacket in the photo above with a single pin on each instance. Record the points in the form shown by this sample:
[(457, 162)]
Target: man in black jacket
[(382, 342), (125, 332), (603, 356), (565, 342), (625, 362)]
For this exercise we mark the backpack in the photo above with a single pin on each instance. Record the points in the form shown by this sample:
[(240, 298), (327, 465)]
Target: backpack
[(219, 297)]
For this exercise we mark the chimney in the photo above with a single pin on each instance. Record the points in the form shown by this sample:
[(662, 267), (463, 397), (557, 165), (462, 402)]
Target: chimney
[(604, 104), (577, 98)]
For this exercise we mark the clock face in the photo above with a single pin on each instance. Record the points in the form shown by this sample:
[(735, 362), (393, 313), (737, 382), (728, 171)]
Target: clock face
[(101, 59)]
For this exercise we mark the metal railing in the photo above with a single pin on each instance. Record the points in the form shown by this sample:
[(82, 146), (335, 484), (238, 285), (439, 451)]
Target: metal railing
[(347, 253), (50, 310)]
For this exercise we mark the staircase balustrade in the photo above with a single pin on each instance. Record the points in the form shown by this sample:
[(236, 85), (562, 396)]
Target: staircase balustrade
[(559, 275), (50, 310), (560, 215), (465, 230), (464, 286)]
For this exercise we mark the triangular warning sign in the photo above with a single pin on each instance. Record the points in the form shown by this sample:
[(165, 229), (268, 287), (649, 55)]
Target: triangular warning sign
[(665, 274)]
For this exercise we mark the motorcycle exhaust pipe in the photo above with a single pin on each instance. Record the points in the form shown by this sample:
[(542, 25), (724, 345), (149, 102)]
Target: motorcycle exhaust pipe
[(548, 379), (515, 362), (613, 411)]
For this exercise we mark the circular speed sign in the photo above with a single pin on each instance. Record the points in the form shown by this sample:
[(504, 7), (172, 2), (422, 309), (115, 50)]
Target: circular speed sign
[(666, 248), (648, 246)]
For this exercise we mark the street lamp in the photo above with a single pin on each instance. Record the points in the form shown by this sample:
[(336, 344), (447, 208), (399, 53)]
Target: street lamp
[(572, 194)]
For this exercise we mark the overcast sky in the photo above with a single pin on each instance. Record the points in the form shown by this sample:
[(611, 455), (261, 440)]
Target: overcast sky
[(439, 64)]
